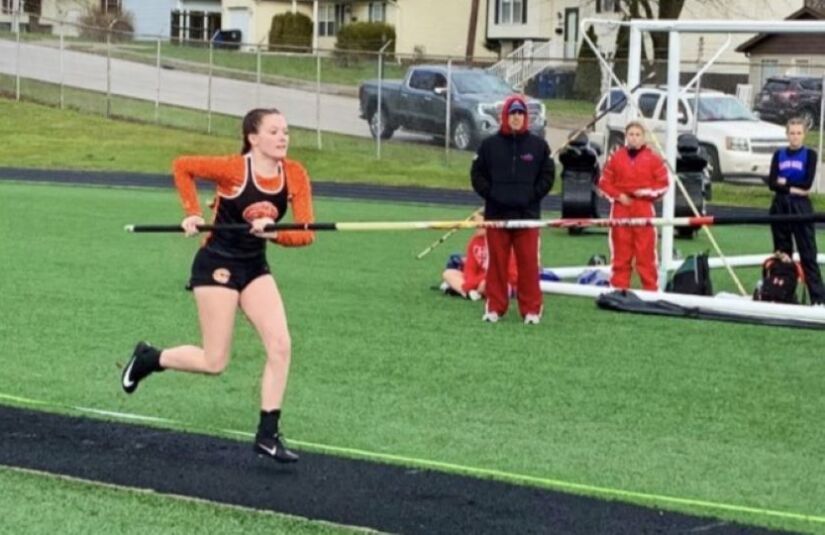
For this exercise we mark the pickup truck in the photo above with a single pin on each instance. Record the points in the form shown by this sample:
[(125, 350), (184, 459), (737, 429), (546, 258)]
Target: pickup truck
[(734, 140), (418, 103)]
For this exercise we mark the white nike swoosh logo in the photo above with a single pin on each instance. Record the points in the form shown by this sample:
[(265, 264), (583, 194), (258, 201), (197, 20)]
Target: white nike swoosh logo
[(272, 451), (126, 382)]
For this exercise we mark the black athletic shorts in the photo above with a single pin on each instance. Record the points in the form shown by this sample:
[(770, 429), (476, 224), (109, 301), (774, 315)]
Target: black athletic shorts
[(212, 269)]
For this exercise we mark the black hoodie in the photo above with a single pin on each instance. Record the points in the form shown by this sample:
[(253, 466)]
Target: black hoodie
[(513, 172)]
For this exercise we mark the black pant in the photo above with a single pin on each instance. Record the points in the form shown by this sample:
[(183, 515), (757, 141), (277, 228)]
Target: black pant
[(784, 234)]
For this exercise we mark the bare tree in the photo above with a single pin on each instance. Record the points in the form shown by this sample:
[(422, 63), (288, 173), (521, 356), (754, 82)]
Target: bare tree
[(672, 9)]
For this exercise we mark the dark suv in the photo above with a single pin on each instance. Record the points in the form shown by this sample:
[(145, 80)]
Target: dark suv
[(784, 97)]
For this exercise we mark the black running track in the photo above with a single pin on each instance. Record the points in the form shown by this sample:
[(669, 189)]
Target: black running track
[(322, 487)]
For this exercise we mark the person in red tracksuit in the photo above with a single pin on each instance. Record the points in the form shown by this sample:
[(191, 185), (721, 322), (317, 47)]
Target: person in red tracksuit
[(468, 278), (513, 171), (633, 179)]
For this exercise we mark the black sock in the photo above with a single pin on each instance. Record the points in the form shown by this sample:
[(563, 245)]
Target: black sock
[(148, 362), (153, 359), (268, 426)]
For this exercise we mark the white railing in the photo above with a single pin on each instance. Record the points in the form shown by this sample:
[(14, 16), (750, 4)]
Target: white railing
[(527, 61)]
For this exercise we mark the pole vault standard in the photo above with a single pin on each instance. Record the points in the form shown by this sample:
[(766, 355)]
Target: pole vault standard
[(674, 29), (506, 224)]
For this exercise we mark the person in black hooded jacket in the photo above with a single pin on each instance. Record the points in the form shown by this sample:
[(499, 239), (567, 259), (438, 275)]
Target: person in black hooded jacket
[(513, 171)]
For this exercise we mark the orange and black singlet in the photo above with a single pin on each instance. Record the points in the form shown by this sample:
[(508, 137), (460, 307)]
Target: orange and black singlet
[(238, 188)]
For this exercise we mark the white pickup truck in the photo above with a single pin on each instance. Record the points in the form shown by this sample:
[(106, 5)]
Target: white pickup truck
[(735, 141)]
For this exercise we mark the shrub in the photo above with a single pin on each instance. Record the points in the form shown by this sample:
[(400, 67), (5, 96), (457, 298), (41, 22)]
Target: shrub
[(290, 31), (364, 37), (95, 23)]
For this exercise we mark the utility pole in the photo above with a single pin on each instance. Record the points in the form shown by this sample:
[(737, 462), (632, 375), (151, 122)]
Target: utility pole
[(471, 32)]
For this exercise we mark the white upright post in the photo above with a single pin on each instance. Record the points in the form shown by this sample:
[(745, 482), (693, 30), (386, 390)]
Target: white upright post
[(634, 60), (668, 207), (820, 187)]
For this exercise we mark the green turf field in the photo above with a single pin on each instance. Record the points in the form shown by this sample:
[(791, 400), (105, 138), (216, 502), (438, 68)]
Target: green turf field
[(696, 410)]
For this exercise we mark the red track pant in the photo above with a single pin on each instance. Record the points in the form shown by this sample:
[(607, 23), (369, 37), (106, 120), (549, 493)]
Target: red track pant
[(524, 243), (627, 243)]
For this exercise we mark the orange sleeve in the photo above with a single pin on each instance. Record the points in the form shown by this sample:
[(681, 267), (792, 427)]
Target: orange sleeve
[(226, 171), (300, 195)]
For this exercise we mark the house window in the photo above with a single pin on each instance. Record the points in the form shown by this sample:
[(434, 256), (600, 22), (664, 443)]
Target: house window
[(378, 12), (769, 67), (326, 20), (110, 5), (8, 6), (608, 6), (32, 6), (511, 11), (802, 66), (330, 18), (194, 25)]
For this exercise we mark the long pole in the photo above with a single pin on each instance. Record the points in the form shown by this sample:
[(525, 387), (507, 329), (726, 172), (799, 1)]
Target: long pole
[(427, 250), (695, 221)]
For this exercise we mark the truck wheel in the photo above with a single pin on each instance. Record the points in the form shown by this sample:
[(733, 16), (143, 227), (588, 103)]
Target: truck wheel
[(375, 125), (713, 163), (463, 135)]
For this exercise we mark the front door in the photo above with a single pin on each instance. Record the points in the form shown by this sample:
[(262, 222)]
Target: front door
[(239, 19)]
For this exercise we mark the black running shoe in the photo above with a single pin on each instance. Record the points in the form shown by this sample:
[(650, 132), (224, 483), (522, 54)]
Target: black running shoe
[(139, 366), (273, 446)]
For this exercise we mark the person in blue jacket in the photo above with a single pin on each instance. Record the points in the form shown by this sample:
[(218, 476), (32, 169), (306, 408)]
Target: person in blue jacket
[(792, 173)]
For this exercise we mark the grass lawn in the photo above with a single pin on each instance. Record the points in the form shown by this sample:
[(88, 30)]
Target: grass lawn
[(274, 65), (35, 503), (43, 137), (701, 410)]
